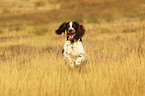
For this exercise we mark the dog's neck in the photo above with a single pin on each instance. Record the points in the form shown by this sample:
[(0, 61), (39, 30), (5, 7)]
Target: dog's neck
[(74, 40)]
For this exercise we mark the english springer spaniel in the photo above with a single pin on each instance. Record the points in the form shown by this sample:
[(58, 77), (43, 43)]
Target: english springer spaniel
[(73, 52)]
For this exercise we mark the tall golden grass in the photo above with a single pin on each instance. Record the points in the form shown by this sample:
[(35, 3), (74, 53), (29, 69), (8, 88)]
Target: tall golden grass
[(31, 63)]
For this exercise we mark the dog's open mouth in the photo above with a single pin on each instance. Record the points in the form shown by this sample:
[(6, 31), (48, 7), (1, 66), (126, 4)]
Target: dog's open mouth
[(71, 35)]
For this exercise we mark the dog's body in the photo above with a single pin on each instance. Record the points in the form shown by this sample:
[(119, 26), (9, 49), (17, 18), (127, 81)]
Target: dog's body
[(74, 54)]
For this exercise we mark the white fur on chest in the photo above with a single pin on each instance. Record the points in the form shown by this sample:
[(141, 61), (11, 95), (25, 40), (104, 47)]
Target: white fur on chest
[(73, 48), (74, 53)]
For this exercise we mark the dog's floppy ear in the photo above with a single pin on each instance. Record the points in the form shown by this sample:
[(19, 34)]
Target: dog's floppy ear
[(80, 31), (61, 29)]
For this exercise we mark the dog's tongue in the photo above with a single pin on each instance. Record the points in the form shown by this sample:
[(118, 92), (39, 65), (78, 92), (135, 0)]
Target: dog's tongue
[(71, 36)]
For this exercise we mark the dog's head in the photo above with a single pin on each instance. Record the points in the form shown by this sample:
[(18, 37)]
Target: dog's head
[(73, 29)]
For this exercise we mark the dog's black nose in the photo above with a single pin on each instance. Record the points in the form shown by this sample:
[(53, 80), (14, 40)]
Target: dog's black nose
[(70, 30)]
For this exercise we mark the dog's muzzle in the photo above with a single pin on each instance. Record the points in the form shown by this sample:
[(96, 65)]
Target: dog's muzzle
[(71, 33)]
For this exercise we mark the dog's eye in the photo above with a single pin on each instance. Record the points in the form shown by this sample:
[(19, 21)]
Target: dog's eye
[(68, 26)]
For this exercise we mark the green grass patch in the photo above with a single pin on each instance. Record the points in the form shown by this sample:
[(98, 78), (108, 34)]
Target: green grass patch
[(6, 11), (40, 31), (1, 31), (39, 3), (95, 11), (90, 11)]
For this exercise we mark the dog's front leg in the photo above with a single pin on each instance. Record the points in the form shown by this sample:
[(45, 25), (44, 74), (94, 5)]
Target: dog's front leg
[(68, 60), (80, 58)]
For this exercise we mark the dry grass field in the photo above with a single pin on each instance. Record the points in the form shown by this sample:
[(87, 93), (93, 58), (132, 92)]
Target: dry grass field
[(31, 63)]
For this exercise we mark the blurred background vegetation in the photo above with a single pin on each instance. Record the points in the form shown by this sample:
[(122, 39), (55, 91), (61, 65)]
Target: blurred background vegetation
[(31, 61), (15, 12)]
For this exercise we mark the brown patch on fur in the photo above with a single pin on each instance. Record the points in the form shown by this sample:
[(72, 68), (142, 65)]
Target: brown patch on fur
[(61, 29), (80, 32)]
